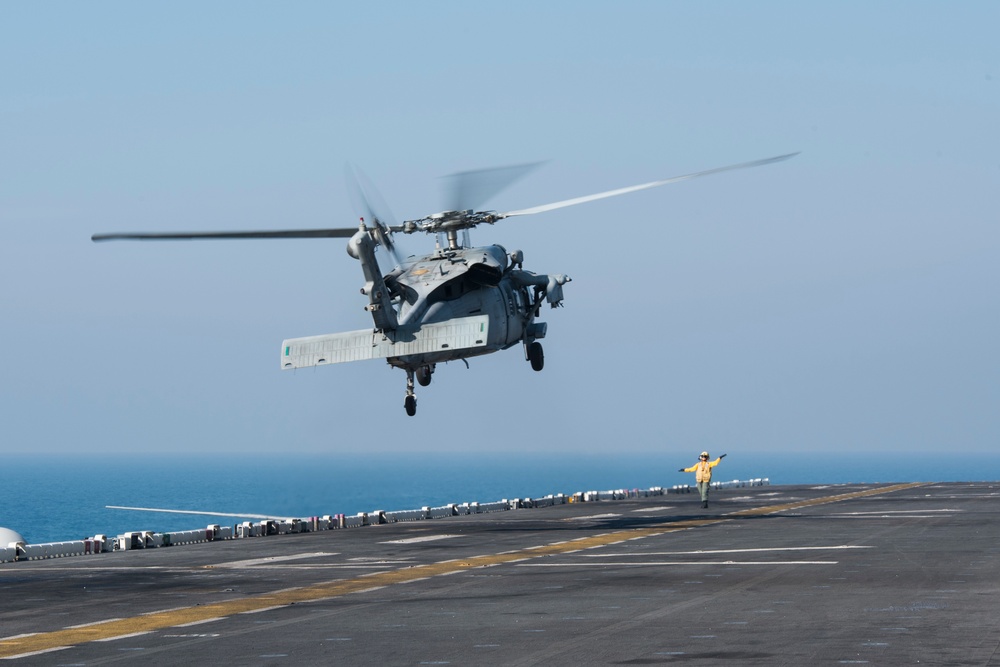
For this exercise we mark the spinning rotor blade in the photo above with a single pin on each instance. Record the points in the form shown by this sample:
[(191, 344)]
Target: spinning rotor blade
[(342, 233), (644, 186), (469, 190), (371, 206)]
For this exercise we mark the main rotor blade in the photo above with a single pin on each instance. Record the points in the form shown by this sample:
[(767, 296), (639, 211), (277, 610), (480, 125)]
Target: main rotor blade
[(644, 186), (471, 189), (366, 198), (342, 233)]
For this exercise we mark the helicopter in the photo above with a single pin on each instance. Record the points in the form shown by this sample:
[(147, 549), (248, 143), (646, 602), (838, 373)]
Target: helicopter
[(457, 302)]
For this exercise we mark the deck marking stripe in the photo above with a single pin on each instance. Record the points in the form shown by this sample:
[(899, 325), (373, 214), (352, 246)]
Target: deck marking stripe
[(699, 563), (657, 509), (897, 512), (28, 655), (257, 611), (128, 636), (140, 624), (422, 538), (13, 637), (204, 620), (85, 625), (237, 564), (728, 551)]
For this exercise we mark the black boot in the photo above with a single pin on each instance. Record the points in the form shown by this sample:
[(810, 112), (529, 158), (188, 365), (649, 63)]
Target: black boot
[(704, 504)]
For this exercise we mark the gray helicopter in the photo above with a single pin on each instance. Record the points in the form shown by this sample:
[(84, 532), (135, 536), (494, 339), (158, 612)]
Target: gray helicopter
[(455, 303)]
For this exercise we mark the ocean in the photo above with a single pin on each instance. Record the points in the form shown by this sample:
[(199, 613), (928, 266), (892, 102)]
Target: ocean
[(54, 498)]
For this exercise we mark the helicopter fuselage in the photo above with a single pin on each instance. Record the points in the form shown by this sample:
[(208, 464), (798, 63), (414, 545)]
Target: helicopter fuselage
[(456, 303), (463, 282)]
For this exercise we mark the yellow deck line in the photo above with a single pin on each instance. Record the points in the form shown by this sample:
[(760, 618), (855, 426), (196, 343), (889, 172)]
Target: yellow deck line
[(150, 622)]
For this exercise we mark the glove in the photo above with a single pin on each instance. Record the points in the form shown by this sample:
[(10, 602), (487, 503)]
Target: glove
[(680, 470), (723, 456)]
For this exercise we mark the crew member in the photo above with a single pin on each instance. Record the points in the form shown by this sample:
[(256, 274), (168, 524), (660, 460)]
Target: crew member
[(703, 475)]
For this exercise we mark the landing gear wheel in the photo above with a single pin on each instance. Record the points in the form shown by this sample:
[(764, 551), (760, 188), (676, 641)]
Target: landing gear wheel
[(536, 356), (410, 403), (424, 374)]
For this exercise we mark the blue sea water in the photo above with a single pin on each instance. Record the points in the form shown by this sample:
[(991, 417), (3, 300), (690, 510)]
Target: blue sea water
[(53, 498)]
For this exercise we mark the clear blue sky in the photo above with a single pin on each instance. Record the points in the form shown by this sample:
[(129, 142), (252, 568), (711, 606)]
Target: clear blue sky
[(846, 300)]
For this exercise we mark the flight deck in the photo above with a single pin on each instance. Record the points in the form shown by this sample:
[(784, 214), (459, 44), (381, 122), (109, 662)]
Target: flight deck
[(790, 575)]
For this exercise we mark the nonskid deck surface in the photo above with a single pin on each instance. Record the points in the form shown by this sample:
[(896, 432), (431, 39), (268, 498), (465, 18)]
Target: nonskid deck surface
[(846, 574)]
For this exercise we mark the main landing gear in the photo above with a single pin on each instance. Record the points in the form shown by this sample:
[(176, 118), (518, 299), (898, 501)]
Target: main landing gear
[(536, 356), (424, 374), (410, 402)]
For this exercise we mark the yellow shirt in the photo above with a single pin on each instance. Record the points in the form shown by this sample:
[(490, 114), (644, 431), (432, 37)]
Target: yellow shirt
[(703, 470)]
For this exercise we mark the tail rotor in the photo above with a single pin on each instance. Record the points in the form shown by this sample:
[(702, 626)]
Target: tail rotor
[(373, 210)]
